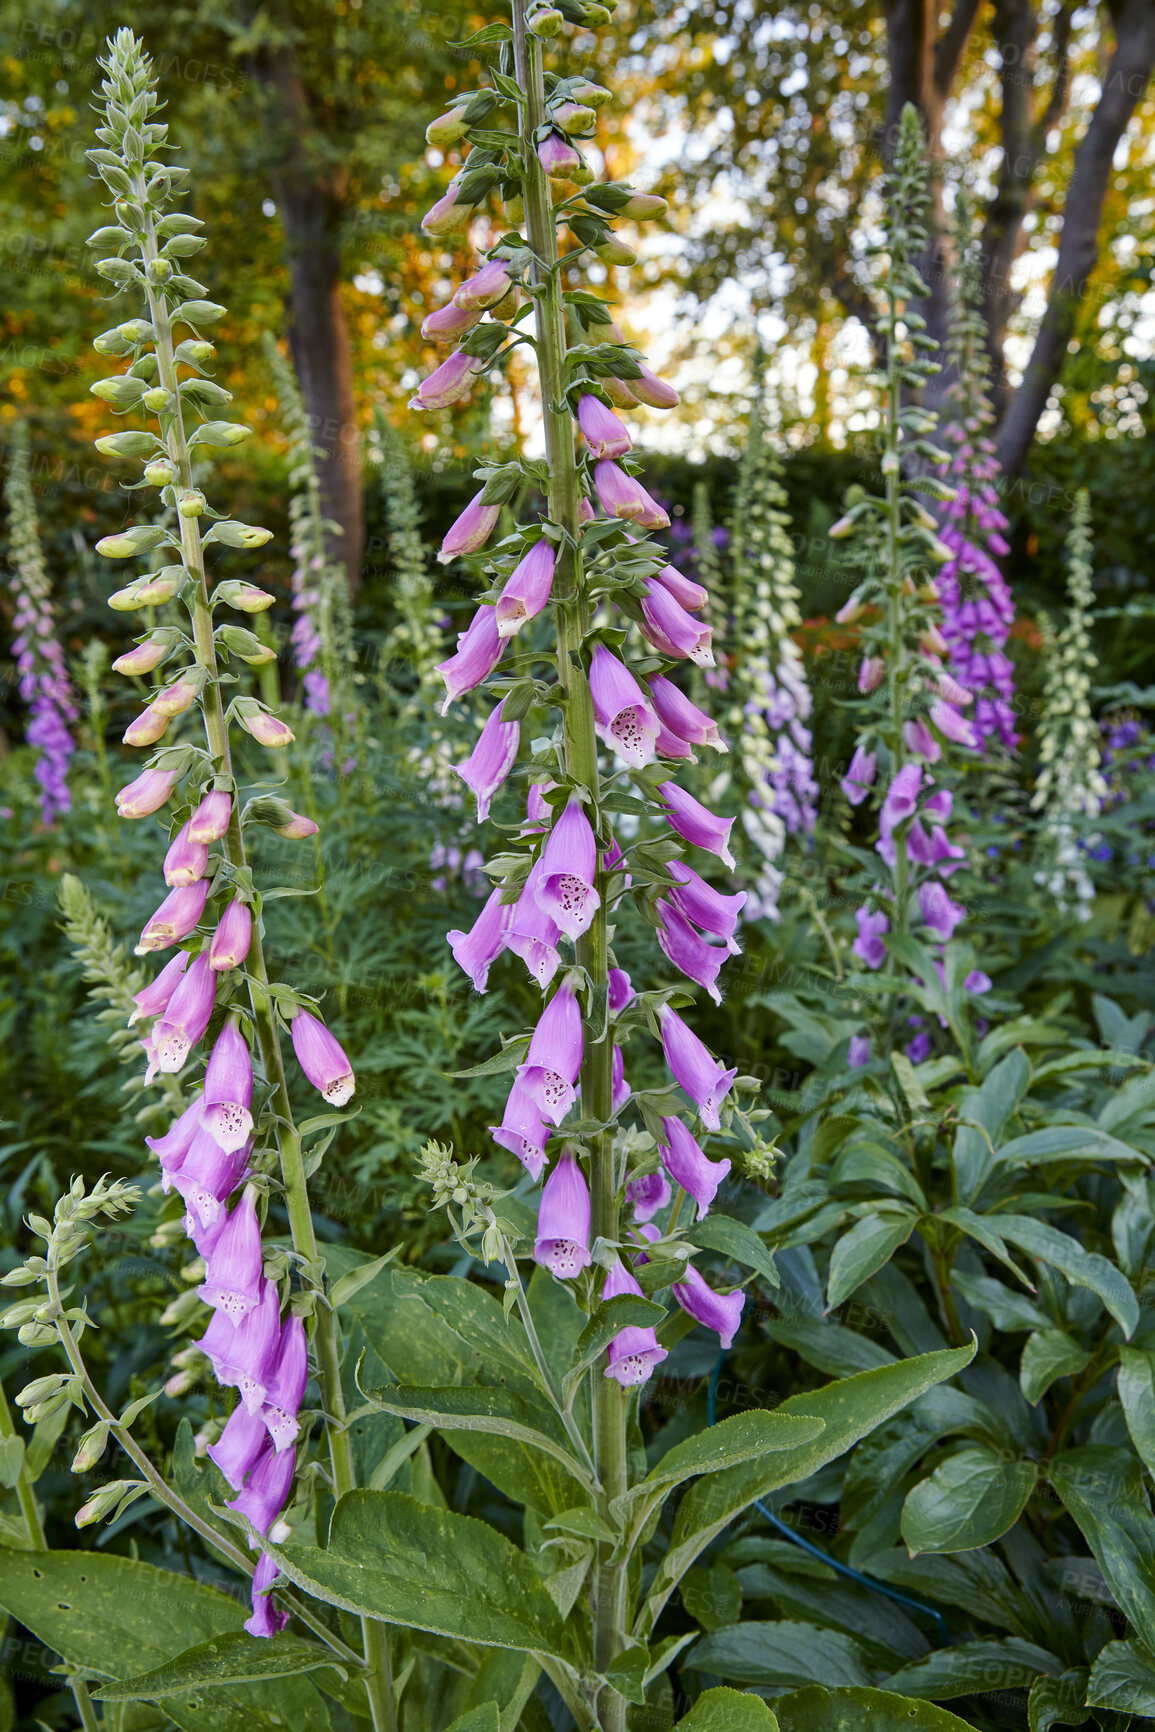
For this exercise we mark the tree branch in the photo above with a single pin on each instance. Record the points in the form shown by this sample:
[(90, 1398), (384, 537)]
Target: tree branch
[(1123, 85), (951, 43)]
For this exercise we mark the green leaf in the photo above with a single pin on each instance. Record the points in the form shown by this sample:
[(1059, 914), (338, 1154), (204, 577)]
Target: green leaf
[(1058, 1701), (1137, 1394), (485, 1718), (404, 1562), (501, 1411), (850, 1408), (871, 1164), (726, 1710), (859, 1254), (1103, 1490), (491, 33), (583, 1521), (1082, 1268), (1007, 1310), (507, 1059), (856, 1710), (1061, 1142), (781, 1653), (1048, 1354), (232, 1658), (111, 1615), (1123, 1678), (736, 1240), (984, 1113), (972, 1667), (11, 1460), (625, 1311), (351, 1283), (742, 1437), (969, 1500), (907, 1079)]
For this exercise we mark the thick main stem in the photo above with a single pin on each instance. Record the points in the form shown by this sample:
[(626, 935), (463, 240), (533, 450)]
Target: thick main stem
[(325, 1343), (609, 1399)]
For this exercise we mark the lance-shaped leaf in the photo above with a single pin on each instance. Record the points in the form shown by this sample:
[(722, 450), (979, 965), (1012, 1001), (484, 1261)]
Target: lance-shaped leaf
[(404, 1562), (1082, 1268), (1060, 1142), (972, 1667), (726, 1710), (969, 1500), (850, 1408), (736, 1240), (1137, 1393), (1123, 1678), (861, 1710), (859, 1254), (229, 1659), (501, 1411), (782, 1653), (1103, 1490)]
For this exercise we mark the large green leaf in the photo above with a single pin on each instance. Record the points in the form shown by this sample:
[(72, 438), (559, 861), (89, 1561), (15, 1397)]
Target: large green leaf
[(1103, 1490), (976, 1666), (837, 1351), (983, 1113), (1137, 1394), (393, 1558), (736, 1240), (1082, 1268), (742, 1437), (501, 1411), (232, 1658), (861, 1710), (728, 1710), (1123, 1678), (781, 1653), (115, 1617), (1048, 1354), (969, 1500), (870, 1243), (850, 1408), (1062, 1142)]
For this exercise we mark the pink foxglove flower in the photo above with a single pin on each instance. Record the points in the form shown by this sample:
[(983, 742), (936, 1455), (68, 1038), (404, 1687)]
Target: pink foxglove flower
[(485, 288), (210, 821), (689, 1167), (693, 1067), (940, 913), (858, 1052), (669, 746), (522, 1131), (621, 1088), (266, 1620), (707, 908), (685, 592), (171, 1149), (623, 718), (565, 889), (689, 953), (322, 1058), (266, 1490), (648, 1195), (447, 384), (240, 1444), (921, 741), (446, 325), (859, 778), (479, 650), (470, 532), (621, 990), (147, 728), (673, 631), (948, 721), (298, 828), (176, 917), (682, 717), (186, 861), (622, 495), (721, 1312), (868, 946), (549, 1074), (266, 729), (207, 1176), (233, 1277), (244, 1356), (654, 392), (871, 673), (152, 999), (634, 1352), (228, 1094), (533, 933), (285, 1388), (527, 589), (563, 1221), (145, 795), (558, 156), (605, 435), (477, 950), (696, 824), (186, 1016), (143, 657), (491, 760), (232, 938)]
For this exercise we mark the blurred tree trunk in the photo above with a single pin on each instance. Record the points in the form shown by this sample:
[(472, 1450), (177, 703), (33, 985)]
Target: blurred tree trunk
[(310, 189)]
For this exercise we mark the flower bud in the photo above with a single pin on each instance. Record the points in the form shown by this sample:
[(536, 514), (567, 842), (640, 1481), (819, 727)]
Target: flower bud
[(210, 821), (136, 331), (447, 128), (232, 534), (616, 252), (157, 397), (92, 1447), (191, 503), (126, 444), (232, 938), (140, 539), (246, 597), (104, 1501), (182, 694), (149, 654), (159, 472), (145, 795), (574, 119), (239, 641), (159, 270), (545, 23), (149, 727), (593, 95), (266, 729)]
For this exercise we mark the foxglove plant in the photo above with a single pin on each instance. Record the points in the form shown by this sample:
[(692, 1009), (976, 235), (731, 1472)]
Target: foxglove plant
[(40, 665), (215, 1156), (977, 608), (771, 697), (1070, 787)]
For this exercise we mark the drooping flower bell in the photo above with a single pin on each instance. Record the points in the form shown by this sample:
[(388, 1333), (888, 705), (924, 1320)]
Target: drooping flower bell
[(228, 1092), (232, 1281), (673, 631), (522, 1130), (682, 717), (469, 532), (708, 909), (623, 717), (491, 759), (186, 860), (868, 946), (176, 917), (286, 1384), (146, 794), (693, 1068), (186, 1016), (475, 951), (563, 1221), (210, 821), (532, 933), (565, 889), (696, 824), (527, 589), (152, 999), (721, 1312), (684, 1161), (479, 649), (859, 778), (322, 1058), (648, 1195), (604, 434), (549, 1072), (689, 953), (634, 1352), (234, 934)]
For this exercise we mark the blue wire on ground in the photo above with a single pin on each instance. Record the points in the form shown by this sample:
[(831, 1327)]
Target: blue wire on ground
[(946, 1640)]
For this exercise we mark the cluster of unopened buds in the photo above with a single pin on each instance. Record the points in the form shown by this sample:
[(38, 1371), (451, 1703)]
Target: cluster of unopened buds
[(571, 871)]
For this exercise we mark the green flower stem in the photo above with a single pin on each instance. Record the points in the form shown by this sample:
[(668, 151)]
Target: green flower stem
[(609, 1399), (25, 1493), (896, 660), (325, 1342)]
